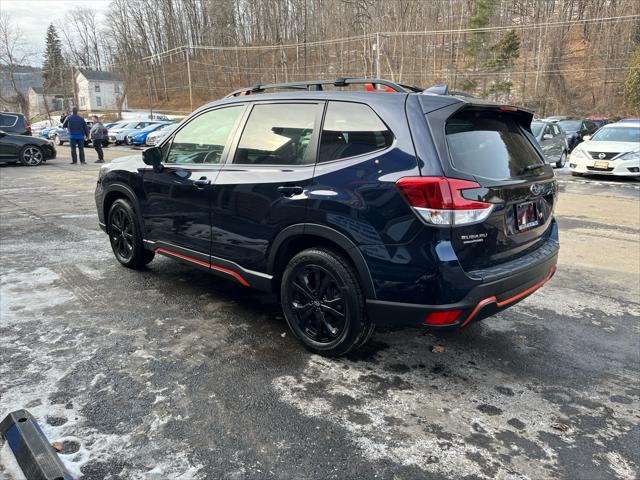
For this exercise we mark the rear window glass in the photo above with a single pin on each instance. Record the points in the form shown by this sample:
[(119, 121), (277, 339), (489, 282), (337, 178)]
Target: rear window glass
[(571, 125), (490, 145), (352, 129)]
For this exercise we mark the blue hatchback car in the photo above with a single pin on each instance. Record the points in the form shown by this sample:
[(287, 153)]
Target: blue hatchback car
[(357, 208), (139, 137)]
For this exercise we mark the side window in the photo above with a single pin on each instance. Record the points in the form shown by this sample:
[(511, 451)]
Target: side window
[(277, 134), (556, 130), (7, 120), (352, 129), (202, 140), (547, 130)]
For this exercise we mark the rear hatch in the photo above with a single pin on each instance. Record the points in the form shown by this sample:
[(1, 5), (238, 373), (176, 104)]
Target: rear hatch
[(493, 146)]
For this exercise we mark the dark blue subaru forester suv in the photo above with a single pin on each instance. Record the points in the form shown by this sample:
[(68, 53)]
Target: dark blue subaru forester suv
[(408, 207)]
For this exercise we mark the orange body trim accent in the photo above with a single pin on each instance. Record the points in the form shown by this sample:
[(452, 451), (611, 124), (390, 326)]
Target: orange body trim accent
[(518, 296), (235, 275)]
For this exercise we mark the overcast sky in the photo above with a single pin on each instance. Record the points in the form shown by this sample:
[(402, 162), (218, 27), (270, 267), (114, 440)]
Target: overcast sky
[(32, 17)]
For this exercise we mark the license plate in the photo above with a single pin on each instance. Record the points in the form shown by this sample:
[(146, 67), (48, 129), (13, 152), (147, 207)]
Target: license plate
[(601, 165), (526, 216)]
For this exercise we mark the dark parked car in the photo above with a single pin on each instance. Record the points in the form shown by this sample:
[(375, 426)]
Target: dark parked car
[(14, 123), (576, 129), (553, 140), (357, 208), (30, 151)]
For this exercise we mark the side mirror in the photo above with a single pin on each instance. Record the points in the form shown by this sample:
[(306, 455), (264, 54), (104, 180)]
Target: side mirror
[(586, 137), (153, 156), (547, 136)]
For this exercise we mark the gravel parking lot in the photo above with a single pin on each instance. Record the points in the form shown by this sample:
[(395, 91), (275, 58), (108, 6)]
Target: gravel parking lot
[(171, 373)]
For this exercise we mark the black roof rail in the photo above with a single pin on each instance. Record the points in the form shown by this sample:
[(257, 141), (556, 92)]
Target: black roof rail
[(316, 85)]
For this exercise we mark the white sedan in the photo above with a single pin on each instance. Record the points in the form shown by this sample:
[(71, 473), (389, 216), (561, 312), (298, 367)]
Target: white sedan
[(612, 150)]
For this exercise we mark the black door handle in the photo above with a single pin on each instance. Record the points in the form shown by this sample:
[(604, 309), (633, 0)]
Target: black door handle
[(202, 182), (290, 191)]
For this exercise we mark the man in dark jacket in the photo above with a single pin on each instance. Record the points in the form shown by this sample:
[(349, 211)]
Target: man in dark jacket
[(78, 132)]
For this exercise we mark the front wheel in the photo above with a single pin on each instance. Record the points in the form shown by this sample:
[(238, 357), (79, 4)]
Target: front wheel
[(57, 140), (323, 302), (125, 236), (563, 160), (31, 155)]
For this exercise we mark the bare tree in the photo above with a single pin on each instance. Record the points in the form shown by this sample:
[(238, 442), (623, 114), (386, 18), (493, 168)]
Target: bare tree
[(12, 57)]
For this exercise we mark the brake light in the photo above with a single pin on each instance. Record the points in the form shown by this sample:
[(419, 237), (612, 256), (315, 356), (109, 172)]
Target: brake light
[(439, 200), (441, 318), (507, 108)]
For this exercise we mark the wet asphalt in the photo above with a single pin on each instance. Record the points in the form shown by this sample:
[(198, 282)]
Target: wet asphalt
[(172, 373)]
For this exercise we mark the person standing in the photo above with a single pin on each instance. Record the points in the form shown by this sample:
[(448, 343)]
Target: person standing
[(98, 135), (78, 133)]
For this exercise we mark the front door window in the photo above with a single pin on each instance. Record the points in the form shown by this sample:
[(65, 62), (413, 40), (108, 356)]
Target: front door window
[(203, 139)]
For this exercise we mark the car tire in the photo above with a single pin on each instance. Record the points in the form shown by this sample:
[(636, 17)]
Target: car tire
[(31, 155), (57, 141), (125, 236), (563, 160), (323, 303)]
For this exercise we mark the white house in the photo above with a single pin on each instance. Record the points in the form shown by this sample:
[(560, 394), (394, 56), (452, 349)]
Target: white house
[(97, 90), (55, 101)]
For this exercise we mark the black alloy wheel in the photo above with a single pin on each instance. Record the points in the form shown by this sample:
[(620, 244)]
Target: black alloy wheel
[(125, 237), (323, 302), (318, 303), (122, 234)]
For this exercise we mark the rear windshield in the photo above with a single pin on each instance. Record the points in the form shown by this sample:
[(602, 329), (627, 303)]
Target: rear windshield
[(571, 125), (490, 144), (617, 134)]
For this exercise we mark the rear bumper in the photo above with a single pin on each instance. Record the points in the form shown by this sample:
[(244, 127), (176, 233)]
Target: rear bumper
[(495, 293)]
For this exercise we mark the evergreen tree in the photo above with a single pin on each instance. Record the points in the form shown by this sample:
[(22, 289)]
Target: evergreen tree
[(481, 18), (504, 52), (54, 65)]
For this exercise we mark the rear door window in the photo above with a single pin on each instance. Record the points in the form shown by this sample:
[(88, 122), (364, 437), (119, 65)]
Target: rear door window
[(352, 129), (278, 134), (7, 120), (490, 144)]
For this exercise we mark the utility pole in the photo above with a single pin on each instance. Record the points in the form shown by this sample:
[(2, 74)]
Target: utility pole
[(378, 53), (189, 79), (149, 94)]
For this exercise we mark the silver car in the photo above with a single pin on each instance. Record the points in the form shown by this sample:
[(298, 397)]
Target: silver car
[(156, 136), (553, 140)]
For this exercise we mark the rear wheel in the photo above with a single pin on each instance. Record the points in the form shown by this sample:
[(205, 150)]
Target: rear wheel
[(323, 303), (125, 236), (31, 155), (563, 160)]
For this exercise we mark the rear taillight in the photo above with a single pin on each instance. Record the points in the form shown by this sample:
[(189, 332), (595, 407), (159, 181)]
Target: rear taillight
[(439, 200)]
